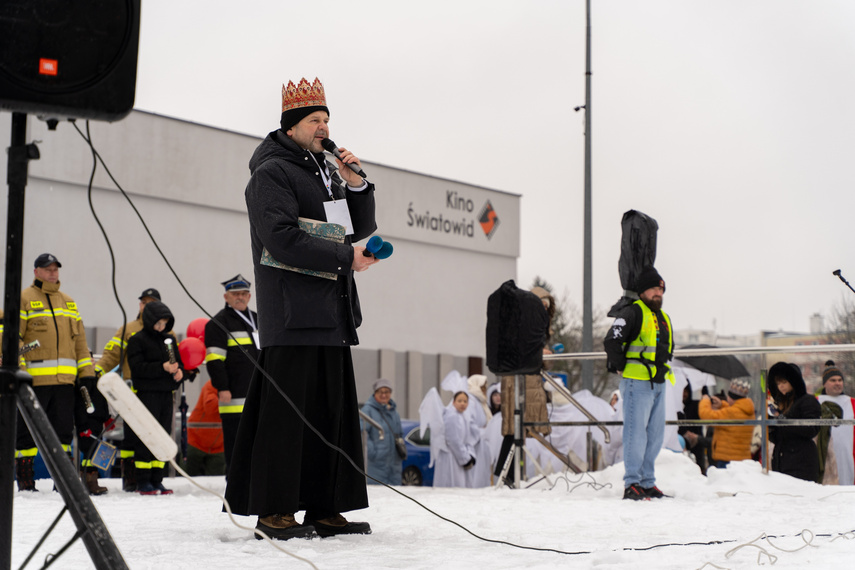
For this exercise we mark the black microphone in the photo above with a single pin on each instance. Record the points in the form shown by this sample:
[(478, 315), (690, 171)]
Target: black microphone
[(837, 272), (331, 147)]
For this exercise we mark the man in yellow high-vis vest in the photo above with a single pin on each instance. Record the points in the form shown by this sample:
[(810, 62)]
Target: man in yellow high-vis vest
[(639, 345)]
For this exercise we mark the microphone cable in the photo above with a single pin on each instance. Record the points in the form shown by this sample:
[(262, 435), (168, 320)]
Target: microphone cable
[(341, 452), (95, 158), (98, 159)]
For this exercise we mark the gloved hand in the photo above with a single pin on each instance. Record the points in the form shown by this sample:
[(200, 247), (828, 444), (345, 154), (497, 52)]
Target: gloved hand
[(470, 464), (90, 382)]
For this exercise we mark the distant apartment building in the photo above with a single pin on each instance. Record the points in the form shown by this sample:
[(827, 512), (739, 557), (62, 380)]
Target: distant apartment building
[(811, 363)]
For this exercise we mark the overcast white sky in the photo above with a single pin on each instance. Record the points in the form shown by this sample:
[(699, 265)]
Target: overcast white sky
[(730, 122)]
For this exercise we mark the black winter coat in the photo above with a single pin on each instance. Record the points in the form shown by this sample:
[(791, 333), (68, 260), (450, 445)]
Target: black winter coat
[(147, 352), (294, 308), (233, 373), (795, 452)]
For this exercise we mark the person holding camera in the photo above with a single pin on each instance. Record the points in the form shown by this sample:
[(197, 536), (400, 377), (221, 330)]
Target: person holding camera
[(384, 457), (730, 443)]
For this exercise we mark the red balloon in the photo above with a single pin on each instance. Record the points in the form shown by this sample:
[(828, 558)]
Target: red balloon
[(196, 329), (192, 352)]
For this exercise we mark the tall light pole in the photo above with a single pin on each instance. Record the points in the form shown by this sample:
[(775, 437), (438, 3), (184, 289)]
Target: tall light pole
[(587, 303)]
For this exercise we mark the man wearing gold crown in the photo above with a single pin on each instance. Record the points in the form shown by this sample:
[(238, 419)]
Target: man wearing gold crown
[(308, 312)]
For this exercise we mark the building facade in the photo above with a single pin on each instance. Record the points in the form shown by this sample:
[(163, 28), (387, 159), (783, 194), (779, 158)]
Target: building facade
[(424, 308)]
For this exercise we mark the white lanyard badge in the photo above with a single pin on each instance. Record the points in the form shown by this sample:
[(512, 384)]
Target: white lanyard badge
[(251, 322), (336, 211)]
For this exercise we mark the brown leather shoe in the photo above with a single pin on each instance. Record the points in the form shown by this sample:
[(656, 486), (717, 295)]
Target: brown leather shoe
[(283, 527), (337, 524), (92, 484)]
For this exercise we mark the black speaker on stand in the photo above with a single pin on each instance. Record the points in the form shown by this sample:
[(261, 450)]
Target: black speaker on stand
[(59, 59), (69, 58), (517, 329)]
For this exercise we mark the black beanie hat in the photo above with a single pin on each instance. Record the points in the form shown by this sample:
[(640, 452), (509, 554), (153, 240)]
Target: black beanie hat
[(649, 278), (830, 371), (293, 116)]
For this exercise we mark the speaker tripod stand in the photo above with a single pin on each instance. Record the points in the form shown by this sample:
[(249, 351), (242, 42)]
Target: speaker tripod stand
[(16, 391), (518, 453)]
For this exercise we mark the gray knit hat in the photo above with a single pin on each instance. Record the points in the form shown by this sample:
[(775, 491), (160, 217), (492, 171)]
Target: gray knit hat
[(831, 371), (739, 387)]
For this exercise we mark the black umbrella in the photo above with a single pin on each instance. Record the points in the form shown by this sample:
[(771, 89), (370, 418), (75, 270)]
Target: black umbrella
[(722, 365)]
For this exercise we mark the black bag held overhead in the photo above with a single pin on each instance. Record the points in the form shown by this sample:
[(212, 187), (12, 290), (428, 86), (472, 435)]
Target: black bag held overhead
[(637, 251), (517, 328)]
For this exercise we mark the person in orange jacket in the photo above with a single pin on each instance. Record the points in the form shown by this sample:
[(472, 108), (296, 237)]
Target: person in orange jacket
[(730, 443), (205, 450)]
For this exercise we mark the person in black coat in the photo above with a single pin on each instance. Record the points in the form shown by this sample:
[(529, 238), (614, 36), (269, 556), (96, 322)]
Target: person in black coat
[(156, 369), (795, 452), (308, 313), (231, 346), (696, 441)]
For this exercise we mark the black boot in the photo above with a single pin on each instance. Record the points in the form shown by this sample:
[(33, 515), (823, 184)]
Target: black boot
[(25, 474), (129, 475), (144, 486), (332, 525), (157, 481)]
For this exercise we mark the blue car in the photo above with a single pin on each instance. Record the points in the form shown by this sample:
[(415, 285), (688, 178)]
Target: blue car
[(415, 466)]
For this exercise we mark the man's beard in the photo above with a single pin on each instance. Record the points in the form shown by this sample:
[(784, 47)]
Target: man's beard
[(654, 304)]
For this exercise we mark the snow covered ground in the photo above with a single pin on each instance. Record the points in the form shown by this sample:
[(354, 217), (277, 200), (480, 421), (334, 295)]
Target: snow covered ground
[(711, 522)]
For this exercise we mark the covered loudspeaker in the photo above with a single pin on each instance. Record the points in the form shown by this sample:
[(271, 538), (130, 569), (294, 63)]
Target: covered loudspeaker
[(69, 58), (637, 251), (517, 328)]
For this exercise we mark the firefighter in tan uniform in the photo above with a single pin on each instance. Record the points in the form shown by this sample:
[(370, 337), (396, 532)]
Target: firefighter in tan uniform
[(50, 316), (116, 351)]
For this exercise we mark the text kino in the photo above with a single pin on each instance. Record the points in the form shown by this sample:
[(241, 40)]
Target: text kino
[(455, 202)]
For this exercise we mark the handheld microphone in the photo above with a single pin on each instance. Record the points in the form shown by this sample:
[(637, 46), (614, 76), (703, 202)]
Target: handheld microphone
[(170, 350), (90, 408), (331, 147), (837, 272), (378, 248)]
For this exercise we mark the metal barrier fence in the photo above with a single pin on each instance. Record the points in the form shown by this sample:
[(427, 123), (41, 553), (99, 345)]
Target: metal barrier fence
[(764, 421)]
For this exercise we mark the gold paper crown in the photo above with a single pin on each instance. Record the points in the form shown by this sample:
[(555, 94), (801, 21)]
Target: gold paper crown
[(303, 95)]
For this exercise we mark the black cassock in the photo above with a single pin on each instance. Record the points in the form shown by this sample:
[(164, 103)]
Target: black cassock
[(279, 464)]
